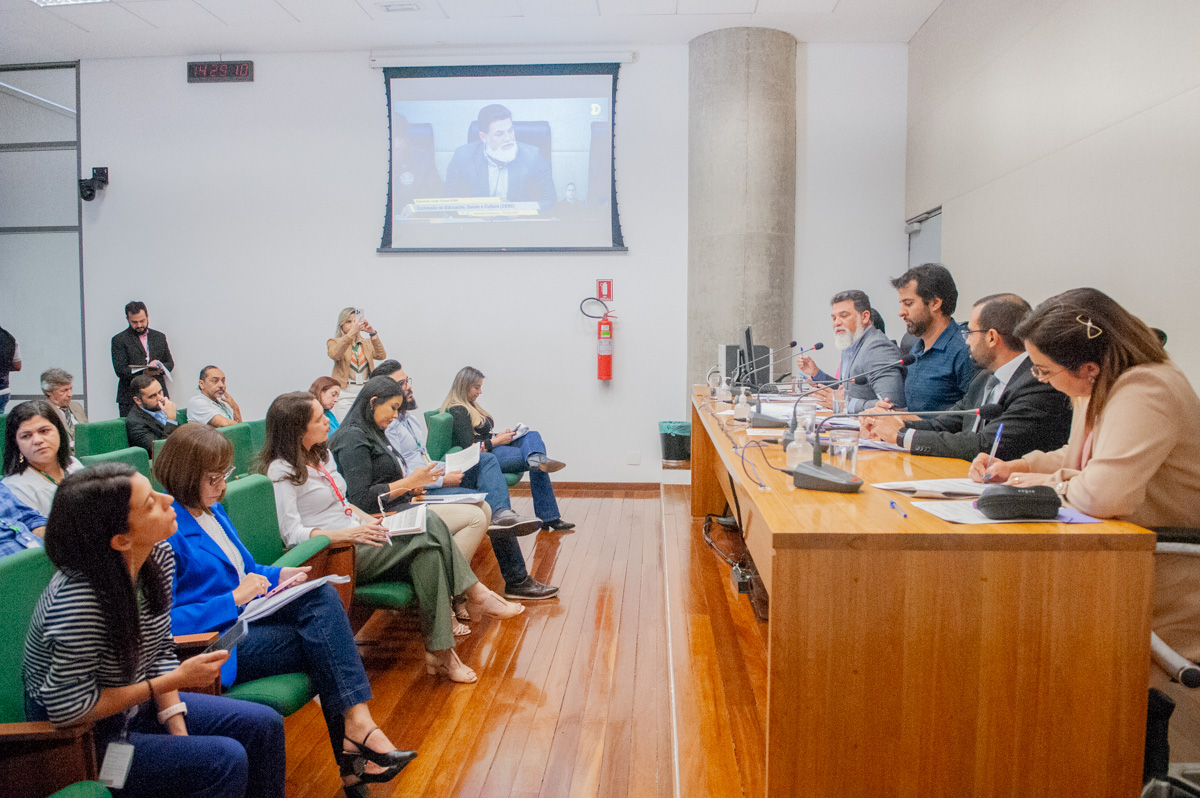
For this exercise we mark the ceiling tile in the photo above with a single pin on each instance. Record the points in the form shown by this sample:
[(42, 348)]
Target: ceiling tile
[(800, 6), (610, 8), (559, 8), (717, 6), (246, 12), (101, 18), (325, 11), (480, 9), (425, 9), (172, 13)]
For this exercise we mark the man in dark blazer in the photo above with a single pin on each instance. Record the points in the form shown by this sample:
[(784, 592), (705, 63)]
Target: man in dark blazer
[(1034, 415), (138, 345), (153, 415), (499, 166)]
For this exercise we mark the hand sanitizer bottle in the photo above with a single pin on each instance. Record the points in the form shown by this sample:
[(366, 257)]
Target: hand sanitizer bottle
[(741, 412)]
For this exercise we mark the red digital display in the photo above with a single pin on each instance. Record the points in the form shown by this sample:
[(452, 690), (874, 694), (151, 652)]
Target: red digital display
[(220, 72)]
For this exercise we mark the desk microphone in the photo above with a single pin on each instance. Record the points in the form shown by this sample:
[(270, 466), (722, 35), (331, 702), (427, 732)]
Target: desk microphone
[(820, 476), (859, 379)]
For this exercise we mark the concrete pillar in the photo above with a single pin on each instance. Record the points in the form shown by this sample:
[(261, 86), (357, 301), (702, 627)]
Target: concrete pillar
[(741, 190)]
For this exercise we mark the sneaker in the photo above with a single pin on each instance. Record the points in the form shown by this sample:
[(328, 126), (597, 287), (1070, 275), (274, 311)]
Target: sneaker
[(507, 524), (558, 525), (543, 463), (530, 590)]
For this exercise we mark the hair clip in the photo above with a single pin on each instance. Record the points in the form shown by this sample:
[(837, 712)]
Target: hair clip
[(1092, 330)]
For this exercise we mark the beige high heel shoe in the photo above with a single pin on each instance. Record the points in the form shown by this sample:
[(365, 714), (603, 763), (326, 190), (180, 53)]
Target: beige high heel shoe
[(446, 663), (494, 607)]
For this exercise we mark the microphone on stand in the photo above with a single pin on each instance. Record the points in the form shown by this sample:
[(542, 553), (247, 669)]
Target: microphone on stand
[(820, 476), (746, 370), (860, 379)]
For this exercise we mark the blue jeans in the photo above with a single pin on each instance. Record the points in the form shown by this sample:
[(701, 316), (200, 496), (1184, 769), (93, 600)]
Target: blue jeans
[(515, 460), (232, 748), (311, 635), (489, 479)]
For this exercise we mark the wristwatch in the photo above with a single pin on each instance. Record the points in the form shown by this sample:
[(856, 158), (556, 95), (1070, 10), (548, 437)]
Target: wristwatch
[(172, 711)]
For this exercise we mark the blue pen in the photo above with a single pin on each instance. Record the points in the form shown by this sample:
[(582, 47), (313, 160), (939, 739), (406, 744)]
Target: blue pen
[(987, 472), (896, 507)]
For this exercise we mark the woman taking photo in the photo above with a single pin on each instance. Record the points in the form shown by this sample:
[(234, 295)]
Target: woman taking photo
[(1132, 454), (429, 560), (100, 650), (473, 424), (215, 577), (353, 356), (37, 454), (327, 392)]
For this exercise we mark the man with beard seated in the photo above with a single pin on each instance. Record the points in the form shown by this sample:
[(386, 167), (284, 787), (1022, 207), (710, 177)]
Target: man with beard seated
[(499, 166), (865, 351)]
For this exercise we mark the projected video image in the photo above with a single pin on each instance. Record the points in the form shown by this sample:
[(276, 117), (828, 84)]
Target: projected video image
[(528, 168)]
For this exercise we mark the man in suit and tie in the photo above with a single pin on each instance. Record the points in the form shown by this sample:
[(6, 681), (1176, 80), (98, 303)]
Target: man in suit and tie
[(153, 415), (865, 350), (1033, 417), (500, 166), (59, 386), (135, 349)]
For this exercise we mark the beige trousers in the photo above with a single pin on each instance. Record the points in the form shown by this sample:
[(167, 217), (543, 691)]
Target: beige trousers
[(468, 523)]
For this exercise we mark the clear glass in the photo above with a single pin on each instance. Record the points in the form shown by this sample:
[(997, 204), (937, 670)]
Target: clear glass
[(843, 449)]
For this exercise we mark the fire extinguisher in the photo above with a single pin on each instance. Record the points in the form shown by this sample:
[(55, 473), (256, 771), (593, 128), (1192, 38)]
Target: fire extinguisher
[(604, 338)]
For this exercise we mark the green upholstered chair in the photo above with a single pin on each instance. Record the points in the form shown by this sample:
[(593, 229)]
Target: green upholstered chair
[(35, 757), (441, 433), (239, 436), (250, 503), (133, 455), (258, 436), (84, 789), (181, 415), (98, 437)]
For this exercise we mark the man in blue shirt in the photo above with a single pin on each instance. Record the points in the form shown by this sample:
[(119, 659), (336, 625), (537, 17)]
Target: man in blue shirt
[(943, 369), (404, 434), (21, 527)]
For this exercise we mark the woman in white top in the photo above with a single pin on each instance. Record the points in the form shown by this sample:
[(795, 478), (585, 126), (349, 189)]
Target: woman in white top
[(296, 451), (37, 454)]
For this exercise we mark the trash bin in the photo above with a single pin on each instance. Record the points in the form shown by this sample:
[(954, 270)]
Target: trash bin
[(676, 437)]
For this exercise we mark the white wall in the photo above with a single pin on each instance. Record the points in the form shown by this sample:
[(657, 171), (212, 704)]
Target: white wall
[(247, 216), (1060, 139), (850, 204)]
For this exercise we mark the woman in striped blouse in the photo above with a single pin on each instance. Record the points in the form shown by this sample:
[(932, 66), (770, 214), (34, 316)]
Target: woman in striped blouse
[(99, 649)]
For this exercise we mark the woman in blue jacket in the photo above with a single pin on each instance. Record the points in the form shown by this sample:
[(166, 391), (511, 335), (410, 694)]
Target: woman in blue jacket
[(215, 577)]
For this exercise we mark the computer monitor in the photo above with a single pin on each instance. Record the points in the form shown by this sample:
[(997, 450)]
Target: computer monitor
[(754, 362)]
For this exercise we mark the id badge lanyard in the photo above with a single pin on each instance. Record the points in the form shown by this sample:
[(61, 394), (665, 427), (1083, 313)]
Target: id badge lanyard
[(336, 491), (118, 756)]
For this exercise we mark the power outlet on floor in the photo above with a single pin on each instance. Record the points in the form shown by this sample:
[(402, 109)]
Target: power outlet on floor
[(633, 458)]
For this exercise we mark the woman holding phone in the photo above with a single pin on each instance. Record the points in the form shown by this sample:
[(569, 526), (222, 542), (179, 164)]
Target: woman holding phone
[(96, 653), (373, 477), (354, 348), (215, 577)]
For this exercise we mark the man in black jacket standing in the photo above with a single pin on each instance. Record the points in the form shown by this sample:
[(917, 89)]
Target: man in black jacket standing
[(153, 417), (1035, 415), (136, 348)]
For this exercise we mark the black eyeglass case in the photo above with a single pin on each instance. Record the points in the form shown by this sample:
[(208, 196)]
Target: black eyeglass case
[(1007, 502)]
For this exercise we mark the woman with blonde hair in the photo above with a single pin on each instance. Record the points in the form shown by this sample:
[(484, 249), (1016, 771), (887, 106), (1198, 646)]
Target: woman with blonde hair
[(352, 358), (526, 452), (1132, 454)]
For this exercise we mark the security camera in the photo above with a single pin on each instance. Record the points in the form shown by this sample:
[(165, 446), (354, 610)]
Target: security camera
[(88, 187)]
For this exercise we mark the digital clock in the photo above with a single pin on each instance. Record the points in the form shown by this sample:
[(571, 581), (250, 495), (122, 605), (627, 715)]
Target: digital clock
[(220, 72)]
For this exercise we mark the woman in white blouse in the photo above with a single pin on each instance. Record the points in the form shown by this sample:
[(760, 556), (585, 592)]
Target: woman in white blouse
[(310, 499), (37, 454)]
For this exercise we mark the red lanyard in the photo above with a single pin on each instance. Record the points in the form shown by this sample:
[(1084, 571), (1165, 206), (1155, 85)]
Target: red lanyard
[(329, 478)]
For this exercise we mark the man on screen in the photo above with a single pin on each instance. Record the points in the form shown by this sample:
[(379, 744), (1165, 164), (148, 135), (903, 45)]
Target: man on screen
[(500, 166)]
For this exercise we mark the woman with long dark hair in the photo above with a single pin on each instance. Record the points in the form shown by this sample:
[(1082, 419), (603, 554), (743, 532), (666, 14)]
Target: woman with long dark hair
[(372, 469), (37, 454), (1133, 454), (96, 653), (473, 424), (216, 576)]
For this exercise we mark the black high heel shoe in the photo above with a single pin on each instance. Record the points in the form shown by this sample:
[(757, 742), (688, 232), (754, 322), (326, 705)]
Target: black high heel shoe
[(354, 763)]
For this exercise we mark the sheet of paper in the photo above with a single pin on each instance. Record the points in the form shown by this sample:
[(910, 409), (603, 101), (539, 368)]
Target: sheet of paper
[(407, 522), (764, 432), (882, 446), (780, 411), (452, 498), (519, 431), (965, 512), (463, 460), (262, 606), (728, 412), (935, 488)]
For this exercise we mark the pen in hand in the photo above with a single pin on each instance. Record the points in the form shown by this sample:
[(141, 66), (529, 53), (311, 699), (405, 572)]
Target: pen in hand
[(987, 471)]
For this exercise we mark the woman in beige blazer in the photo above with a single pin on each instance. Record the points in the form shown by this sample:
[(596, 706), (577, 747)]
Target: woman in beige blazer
[(1133, 453), (353, 356)]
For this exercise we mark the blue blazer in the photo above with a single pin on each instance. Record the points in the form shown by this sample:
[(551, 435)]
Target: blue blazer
[(205, 580), (529, 177)]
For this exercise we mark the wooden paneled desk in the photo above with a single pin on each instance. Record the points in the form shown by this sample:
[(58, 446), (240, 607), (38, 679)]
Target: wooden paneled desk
[(918, 658)]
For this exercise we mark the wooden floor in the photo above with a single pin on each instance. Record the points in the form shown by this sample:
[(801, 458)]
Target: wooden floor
[(578, 697)]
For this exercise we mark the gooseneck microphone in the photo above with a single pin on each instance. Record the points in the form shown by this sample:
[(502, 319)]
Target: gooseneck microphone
[(859, 379), (746, 370), (820, 476)]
